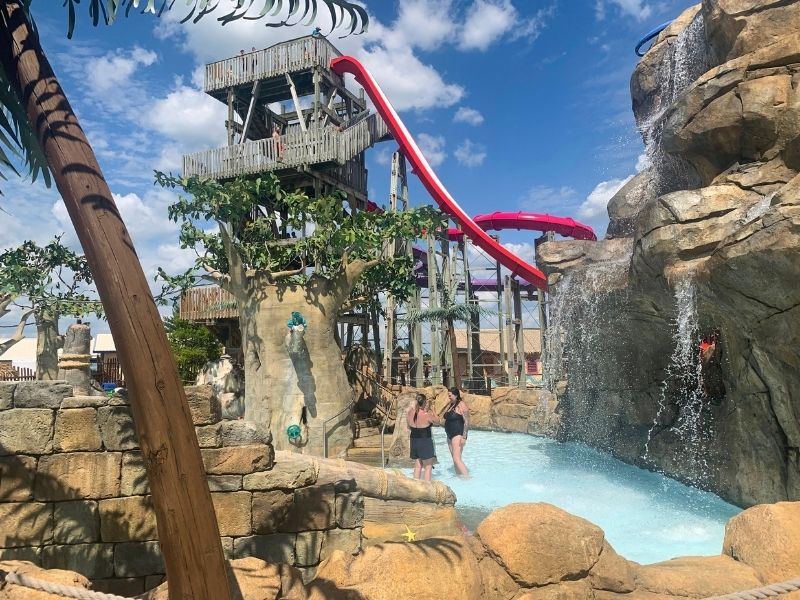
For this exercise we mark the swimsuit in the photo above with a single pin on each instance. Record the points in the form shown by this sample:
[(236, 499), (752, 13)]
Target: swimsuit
[(422, 443), (453, 423)]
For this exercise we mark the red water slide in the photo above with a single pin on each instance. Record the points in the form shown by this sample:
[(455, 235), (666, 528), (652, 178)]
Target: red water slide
[(498, 221), (421, 168)]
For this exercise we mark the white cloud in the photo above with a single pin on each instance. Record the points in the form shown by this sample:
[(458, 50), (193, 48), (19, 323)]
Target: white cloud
[(594, 207), (189, 117), (423, 24), (432, 148), (488, 21), (543, 198), (639, 9), (468, 115), (407, 82), (112, 72), (470, 154), (525, 250)]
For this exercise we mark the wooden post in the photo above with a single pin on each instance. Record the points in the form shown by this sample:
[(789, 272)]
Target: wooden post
[(187, 525), (229, 123), (433, 302), (519, 333)]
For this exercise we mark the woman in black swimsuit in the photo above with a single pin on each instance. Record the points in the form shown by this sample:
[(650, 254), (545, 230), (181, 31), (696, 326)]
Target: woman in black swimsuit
[(420, 418), (456, 424)]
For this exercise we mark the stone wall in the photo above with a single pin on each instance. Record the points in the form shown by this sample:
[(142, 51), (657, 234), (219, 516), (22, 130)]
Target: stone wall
[(74, 492)]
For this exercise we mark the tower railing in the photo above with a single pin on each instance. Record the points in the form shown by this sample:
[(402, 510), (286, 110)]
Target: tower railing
[(295, 148), (295, 55)]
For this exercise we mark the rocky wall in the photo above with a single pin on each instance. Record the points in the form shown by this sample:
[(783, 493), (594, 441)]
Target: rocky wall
[(704, 244), (74, 492)]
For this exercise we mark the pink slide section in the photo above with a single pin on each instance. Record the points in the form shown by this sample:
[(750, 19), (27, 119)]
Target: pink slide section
[(421, 168), (497, 221)]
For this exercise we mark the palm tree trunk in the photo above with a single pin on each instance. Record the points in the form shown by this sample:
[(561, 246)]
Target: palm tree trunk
[(187, 524)]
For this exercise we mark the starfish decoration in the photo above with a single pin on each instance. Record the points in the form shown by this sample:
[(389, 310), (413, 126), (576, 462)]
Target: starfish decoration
[(410, 536)]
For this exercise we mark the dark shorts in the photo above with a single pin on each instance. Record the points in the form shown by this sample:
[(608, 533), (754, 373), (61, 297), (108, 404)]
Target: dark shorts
[(422, 448)]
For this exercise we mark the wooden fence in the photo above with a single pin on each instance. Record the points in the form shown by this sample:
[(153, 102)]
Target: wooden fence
[(109, 371), (18, 374)]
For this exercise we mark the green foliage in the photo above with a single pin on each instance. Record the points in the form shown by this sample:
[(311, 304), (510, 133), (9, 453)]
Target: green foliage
[(454, 312), (260, 220), (51, 279), (192, 344)]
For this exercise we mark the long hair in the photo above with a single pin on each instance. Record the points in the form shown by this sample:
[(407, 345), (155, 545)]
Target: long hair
[(457, 393), (421, 399)]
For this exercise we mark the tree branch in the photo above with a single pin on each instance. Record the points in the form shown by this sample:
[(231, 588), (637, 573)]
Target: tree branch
[(355, 269), (237, 274), (19, 332)]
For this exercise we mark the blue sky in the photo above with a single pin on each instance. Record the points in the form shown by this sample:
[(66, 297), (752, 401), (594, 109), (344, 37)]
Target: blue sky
[(519, 105)]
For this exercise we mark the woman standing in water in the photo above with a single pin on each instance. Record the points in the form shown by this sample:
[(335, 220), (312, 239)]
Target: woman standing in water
[(456, 425), (420, 418)]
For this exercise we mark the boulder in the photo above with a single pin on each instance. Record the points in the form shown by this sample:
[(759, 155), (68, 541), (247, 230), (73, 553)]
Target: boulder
[(767, 539), (540, 544), (697, 577), (738, 27), (428, 570), (255, 580)]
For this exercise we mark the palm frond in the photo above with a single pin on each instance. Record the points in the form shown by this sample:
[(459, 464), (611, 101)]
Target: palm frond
[(463, 313), (17, 138), (343, 13)]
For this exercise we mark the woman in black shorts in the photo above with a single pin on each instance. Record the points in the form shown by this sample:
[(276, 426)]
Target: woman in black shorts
[(456, 424), (420, 418)]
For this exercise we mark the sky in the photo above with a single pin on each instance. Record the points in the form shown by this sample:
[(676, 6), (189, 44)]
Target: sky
[(518, 106)]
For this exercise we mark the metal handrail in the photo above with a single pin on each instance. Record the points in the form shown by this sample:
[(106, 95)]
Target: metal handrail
[(325, 427)]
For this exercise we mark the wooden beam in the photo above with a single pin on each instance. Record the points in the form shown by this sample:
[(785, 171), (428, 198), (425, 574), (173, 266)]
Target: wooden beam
[(250, 110), (230, 121), (296, 101)]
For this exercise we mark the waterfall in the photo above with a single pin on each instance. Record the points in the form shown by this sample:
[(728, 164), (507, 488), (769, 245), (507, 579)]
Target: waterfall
[(581, 324), (683, 411), (684, 62)]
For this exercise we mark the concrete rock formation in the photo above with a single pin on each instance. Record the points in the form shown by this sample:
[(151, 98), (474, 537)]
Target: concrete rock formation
[(520, 552), (706, 239)]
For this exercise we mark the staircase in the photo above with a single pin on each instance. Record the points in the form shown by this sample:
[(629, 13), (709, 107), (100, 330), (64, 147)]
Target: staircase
[(366, 448), (381, 415)]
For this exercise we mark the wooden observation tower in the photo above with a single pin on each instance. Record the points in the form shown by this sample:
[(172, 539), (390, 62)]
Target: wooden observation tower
[(289, 114)]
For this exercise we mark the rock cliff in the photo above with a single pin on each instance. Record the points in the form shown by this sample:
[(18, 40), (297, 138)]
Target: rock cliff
[(678, 334)]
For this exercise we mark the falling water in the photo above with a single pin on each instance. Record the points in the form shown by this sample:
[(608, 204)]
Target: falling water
[(581, 322), (683, 410), (686, 60)]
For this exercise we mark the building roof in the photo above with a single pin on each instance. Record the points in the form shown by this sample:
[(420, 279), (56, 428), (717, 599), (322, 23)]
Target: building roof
[(490, 340), (23, 351), (103, 342)]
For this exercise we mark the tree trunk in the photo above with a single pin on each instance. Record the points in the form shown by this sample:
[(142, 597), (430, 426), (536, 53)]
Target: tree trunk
[(48, 341), (298, 381), (187, 525)]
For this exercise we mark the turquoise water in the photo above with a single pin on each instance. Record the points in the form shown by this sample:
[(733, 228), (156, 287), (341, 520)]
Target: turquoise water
[(646, 517)]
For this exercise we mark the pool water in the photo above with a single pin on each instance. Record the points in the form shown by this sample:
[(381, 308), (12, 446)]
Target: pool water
[(646, 517)]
